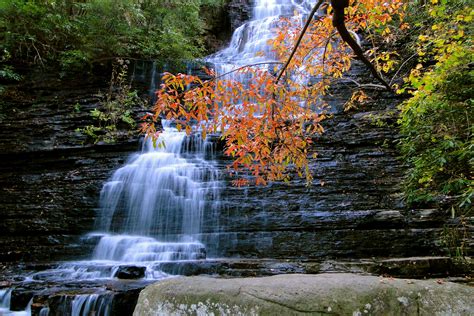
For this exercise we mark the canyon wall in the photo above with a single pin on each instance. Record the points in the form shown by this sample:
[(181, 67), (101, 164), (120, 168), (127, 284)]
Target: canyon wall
[(51, 178)]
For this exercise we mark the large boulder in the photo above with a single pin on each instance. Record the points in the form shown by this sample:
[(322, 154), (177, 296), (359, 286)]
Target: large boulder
[(336, 293)]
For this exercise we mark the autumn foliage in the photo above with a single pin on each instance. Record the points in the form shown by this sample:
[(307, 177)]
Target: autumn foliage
[(269, 124)]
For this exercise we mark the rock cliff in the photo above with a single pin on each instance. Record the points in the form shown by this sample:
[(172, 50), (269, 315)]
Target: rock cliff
[(51, 180)]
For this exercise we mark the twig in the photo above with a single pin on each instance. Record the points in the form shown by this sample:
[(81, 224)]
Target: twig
[(300, 37), (37, 53), (316, 47), (365, 85), (401, 66), (325, 50), (243, 67)]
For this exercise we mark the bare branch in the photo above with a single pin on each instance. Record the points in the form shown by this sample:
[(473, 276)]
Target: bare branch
[(365, 85), (247, 66), (401, 67), (300, 37)]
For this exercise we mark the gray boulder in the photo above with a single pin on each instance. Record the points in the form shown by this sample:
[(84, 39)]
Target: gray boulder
[(335, 293)]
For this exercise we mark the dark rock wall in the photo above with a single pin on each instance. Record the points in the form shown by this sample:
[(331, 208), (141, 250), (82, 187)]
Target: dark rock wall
[(353, 209), (217, 27), (49, 175), (240, 11), (221, 21), (51, 180)]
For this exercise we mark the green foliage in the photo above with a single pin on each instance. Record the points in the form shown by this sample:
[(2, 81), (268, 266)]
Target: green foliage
[(437, 121), (115, 110), (7, 74), (72, 33)]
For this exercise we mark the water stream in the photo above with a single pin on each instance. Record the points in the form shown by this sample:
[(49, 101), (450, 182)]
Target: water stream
[(152, 209), (249, 43)]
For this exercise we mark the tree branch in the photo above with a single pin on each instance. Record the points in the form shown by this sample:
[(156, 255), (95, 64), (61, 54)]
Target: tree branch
[(338, 22), (365, 85), (303, 31), (246, 66)]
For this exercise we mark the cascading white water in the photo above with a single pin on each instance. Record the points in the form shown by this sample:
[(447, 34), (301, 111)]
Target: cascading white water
[(155, 203), (91, 304), (159, 192), (249, 43)]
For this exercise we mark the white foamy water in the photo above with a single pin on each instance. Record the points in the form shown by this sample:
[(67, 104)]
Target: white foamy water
[(91, 304), (151, 210), (249, 43)]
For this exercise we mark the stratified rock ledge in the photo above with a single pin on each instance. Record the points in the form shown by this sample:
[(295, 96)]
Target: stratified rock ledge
[(331, 293)]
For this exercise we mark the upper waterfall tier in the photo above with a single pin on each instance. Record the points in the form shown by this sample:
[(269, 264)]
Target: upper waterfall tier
[(249, 43)]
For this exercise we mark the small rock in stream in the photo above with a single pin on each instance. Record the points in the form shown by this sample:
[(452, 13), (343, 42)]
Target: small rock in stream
[(130, 272)]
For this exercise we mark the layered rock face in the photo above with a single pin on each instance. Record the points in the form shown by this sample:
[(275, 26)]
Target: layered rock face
[(50, 176), (353, 209), (239, 12), (51, 181)]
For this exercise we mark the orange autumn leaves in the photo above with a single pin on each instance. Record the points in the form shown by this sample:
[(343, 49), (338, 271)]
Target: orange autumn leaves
[(269, 127)]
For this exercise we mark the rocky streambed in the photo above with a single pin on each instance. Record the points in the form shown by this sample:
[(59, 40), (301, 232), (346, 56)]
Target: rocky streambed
[(51, 288)]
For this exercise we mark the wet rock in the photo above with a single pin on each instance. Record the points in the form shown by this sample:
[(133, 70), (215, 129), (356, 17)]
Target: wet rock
[(124, 302), (51, 181), (58, 297), (20, 299), (240, 11), (50, 175), (130, 272), (237, 267), (422, 267)]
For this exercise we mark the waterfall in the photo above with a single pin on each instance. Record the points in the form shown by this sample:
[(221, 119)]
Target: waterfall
[(159, 192), (249, 43), (153, 208), (91, 304)]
